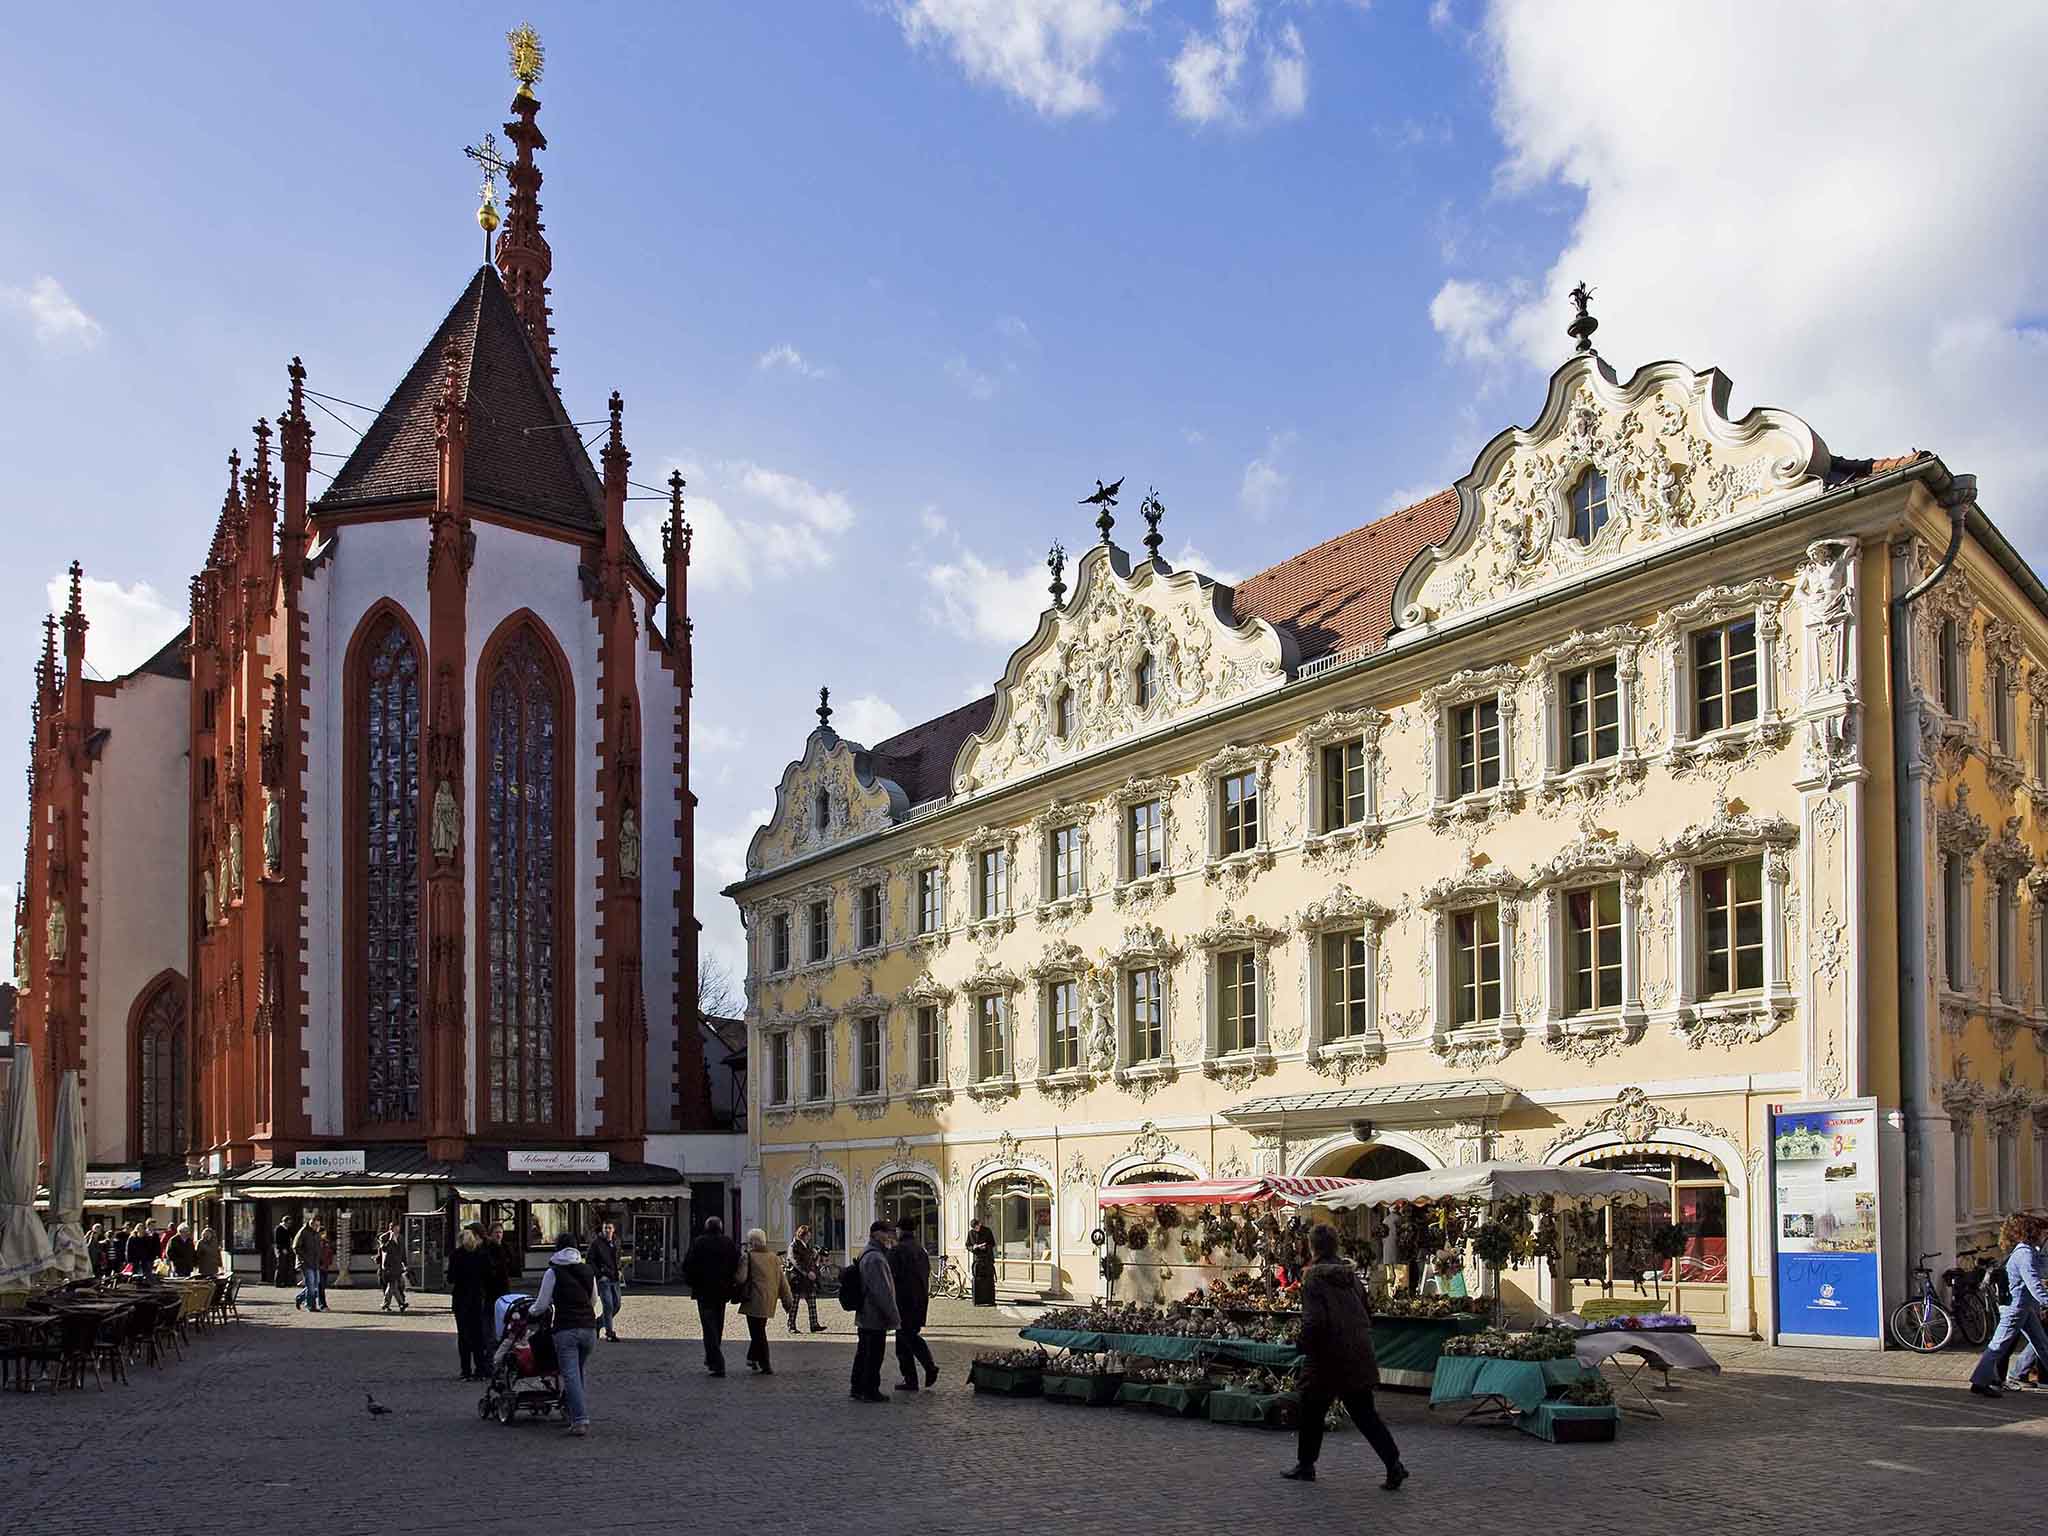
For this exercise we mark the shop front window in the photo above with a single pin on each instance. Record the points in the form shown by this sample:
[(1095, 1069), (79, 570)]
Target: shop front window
[(914, 1206), (816, 1203), (1018, 1210), (1696, 1202)]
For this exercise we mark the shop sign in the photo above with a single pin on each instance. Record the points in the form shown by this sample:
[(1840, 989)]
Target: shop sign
[(216, 1164), (112, 1178), (1824, 1224), (558, 1162), (330, 1162)]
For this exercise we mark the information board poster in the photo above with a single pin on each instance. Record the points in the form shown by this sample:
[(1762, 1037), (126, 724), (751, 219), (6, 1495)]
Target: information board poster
[(1824, 1224)]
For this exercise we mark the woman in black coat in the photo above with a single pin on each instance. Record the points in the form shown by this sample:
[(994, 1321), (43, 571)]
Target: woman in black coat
[(471, 1278), (1336, 1341), (981, 1259)]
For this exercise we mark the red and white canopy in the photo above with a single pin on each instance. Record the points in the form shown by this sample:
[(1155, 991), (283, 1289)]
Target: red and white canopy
[(1283, 1187)]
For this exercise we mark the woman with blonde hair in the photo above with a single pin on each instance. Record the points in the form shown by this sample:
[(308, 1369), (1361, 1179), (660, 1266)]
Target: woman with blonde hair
[(762, 1285), (470, 1274)]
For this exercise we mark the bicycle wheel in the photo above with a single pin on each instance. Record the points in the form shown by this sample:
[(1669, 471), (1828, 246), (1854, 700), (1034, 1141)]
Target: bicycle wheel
[(1922, 1326), (1975, 1320)]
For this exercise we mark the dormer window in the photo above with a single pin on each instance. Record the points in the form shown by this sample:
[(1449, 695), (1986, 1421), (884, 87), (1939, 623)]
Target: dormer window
[(1589, 506), (1145, 681), (1063, 714), (821, 810)]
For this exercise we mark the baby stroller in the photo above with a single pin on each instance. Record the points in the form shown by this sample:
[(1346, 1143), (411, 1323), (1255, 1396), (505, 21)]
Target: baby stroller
[(524, 1376)]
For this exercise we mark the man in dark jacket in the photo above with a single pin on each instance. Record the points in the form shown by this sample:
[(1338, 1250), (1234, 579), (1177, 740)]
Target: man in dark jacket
[(282, 1270), (877, 1314), (142, 1249), (1336, 1338), (603, 1258), (911, 1267), (501, 1268), (710, 1269)]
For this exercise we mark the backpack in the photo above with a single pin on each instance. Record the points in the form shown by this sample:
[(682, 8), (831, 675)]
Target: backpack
[(851, 1291)]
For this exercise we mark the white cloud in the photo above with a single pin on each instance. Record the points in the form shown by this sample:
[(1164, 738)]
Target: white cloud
[(1189, 558), (788, 358), (54, 317), (976, 384), (933, 522), (1266, 482), (988, 603), (827, 511), (867, 719), (1440, 16), (1013, 329), (715, 738), (1209, 70), (726, 852), (1287, 74), (1468, 316), (1780, 238), (126, 625), (780, 523), (1194, 437), (1043, 52)]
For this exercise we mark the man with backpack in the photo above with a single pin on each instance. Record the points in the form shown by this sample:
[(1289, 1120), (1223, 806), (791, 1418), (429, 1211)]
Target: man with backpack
[(868, 1290), (709, 1268)]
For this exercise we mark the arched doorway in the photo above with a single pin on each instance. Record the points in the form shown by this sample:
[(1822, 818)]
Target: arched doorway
[(912, 1202), (817, 1203), (1621, 1259), (1375, 1160), (1017, 1208)]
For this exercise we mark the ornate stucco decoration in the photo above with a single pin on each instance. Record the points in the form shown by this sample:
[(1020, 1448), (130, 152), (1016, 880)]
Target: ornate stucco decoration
[(1337, 911), (1060, 961), (1342, 908), (2007, 1104), (1082, 668), (1502, 684), (1336, 850), (1062, 911), (1592, 856), (826, 796), (1230, 932), (1737, 745), (1962, 1095), (1472, 886), (1676, 467), (986, 927), (1143, 891), (1594, 782), (1235, 870), (2007, 858), (1827, 590), (1733, 832), (1635, 1116), (1958, 829), (1008, 1153)]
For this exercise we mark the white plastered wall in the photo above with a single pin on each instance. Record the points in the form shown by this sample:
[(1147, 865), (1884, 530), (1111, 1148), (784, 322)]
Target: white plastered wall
[(659, 883)]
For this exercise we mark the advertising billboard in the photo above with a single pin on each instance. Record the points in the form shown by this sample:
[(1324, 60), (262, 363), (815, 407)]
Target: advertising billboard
[(1824, 1224)]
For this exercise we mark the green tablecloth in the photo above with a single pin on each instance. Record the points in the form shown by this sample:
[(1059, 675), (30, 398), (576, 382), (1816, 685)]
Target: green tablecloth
[(1407, 1348), (1261, 1410), (1571, 1422), (1097, 1390), (1167, 1346), (1165, 1396), (1525, 1384)]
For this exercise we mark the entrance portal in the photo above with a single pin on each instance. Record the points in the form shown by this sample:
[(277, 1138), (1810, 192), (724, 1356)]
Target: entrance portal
[(1372, 1161)]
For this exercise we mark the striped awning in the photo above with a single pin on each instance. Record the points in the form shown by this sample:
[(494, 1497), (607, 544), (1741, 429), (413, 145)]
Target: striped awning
[(1288, 1188)]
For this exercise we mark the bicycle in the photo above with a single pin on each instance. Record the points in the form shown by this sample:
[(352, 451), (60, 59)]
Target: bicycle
[(1922, 1324), (949, 1279), (1970, 1298)]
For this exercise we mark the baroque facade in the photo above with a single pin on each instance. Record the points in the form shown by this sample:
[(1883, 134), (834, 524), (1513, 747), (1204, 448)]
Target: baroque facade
[(1551, 818)]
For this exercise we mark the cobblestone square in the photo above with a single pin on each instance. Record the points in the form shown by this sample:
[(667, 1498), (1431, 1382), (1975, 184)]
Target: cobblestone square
[(263, 1427)]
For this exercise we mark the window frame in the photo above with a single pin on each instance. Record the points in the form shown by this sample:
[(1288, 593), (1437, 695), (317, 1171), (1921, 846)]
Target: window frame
[(1337, 792), (1495, 686), (928, 1046), (1066, 856), (870, 1028), (1726, 696), (1584, 964), (1154, 841), (929, 884), (991, 882), (1237, 971), (871, 899), (1482, 917), (1732, 869), (1145, 681), (1060, 1005), (1484, 724), (818, 929), (1239, 828), (991, 1014), (1601, 503), (818, 1046), (781, 1083), (1762, 600), (781, 941), (1130, 1023)]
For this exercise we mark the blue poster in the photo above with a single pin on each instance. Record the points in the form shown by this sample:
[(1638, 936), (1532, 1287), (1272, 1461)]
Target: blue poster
[(1824, 1224)]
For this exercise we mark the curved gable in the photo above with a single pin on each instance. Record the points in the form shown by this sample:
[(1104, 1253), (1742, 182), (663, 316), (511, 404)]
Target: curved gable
[(856, 802)]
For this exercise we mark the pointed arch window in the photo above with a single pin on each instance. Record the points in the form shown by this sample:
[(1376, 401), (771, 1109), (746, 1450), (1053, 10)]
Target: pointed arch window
[(161, 1071), (524, 881), (390, 870)]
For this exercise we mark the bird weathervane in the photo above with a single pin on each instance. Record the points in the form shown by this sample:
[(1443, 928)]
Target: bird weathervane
[(527, 56), (1583, 324), (1105, 498)]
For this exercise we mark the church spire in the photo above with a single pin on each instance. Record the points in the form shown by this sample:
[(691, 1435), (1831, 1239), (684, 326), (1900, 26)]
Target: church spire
[(524, 260)]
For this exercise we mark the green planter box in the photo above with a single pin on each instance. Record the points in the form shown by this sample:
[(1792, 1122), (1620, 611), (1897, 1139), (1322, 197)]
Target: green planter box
[(1004, 1382), (1095, 1390), (1572, 1423), (1258, 1410), (1165, 1397)]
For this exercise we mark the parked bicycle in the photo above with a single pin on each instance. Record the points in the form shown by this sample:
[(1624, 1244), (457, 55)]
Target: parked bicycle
[(1921, 1323), (949, 1279), (1971, 1299)]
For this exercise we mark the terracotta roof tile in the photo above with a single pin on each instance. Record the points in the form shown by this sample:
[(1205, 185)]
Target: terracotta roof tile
[(920, 760)]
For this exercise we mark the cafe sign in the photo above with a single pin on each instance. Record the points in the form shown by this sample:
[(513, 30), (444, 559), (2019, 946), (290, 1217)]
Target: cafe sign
[(330, 1162), (558, 1162), (112, 1179)]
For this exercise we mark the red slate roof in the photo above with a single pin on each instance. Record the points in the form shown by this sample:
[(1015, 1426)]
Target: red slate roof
[(920, 760)]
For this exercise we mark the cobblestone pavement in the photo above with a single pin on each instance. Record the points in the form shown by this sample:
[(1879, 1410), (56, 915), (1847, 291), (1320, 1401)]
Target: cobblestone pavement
[(263, 1427)]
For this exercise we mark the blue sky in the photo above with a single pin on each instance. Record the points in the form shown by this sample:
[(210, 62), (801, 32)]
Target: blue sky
[(895, 281)]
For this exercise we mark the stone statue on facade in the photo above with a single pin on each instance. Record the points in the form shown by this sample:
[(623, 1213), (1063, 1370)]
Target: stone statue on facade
[(209, 907), (1102, 1032), (235, 857), (446, 835), (273, 834), (58, 932), (629, 844)]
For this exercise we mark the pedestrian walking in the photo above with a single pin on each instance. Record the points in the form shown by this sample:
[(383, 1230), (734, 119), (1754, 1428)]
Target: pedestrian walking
[(309, 1247), (981, 1261), (283, 1272), (708, 1269), (876, 1314), (911, 1268), (1336, 1338), (500, 1264), (2019, 1319), (208, 1250), (603, 1257), (803, 1277), (96, 1249), (568, 1292), (764, 1289), (391, 1269), (180, 1252), (142, 1247), (471, 1275)]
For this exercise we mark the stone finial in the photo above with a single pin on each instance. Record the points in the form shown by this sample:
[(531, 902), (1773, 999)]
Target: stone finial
[(824, 709), (1056, 562), (1152, 509), (1583, 324)]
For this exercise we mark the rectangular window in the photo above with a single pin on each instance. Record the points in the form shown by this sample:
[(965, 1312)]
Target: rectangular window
[(991, 888), (1343, 785), (1475, 733), (2041, 747), (1147, 844), (1592, 714), (1948, 666), (778, 1068), (2007, 1183), (1066, 863), (930, 912), (991, 1049), (1965, 1184), (1732, 928), (2007, 938), (1344, 982), (1724, 676), (1952, 920), (1237, 1001), (1062, 1027), (1240, 795), (1475, 966), (870, 1037), (778, 942), (820, 926), (820, 1053), (1148, 1021), (2001, 707), (1592, 949), (871, 916), (928, 1046)]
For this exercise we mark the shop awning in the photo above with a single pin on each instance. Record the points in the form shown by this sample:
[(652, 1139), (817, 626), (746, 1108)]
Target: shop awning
[(1292, 1189), (478, 1193), (1394, 1104), (311, 1191), (1493, 1182)]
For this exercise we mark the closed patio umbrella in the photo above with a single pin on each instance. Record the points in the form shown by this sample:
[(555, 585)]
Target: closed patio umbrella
[(24, 1245), (67, 1184)]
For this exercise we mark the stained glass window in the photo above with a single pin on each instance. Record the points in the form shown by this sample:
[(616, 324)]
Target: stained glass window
[(391, 876), (522, 882), (163, 1068)]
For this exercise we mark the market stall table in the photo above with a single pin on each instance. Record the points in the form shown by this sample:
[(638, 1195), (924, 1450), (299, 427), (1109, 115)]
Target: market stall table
[(1660, 1349), (1501, 1389)]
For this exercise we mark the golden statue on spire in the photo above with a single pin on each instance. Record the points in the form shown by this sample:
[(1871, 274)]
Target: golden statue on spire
[(527, 57)]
